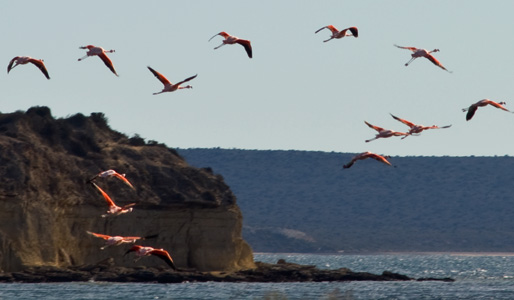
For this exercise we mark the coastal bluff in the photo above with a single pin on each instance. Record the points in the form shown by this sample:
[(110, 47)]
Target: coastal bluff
[(47, 207)]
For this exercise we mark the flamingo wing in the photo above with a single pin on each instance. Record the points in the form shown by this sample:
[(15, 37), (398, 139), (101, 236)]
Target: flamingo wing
[(380, 158), (408, 48), (107, 61), (246, 44), (120, 176), (471, 112), (498, 105), (132, 239), (164, 255), (9, 67), (348, 165), (397, 133), (374, 127), (354, 31), (128, 205), (98, 235), (159, 76), (133, 248), (332, 28), (187, 79), (104, 194), (435, 62), (39, 63), (436, 127), (410, 124)]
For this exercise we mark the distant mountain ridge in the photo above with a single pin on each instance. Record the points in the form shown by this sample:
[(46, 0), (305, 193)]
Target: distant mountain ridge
[(303, 201)]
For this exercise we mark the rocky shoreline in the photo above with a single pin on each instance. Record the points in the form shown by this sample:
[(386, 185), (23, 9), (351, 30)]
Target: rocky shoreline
[(280, 272)]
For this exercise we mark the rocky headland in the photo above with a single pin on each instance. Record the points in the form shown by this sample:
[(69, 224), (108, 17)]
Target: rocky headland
[(47, 208)]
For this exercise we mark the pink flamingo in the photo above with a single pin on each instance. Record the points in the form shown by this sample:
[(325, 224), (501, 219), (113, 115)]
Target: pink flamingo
[(111, 172), (336, 34), (100, 52), (147, 251), (23, 60), (365, 155), (383, 133), (168, 86), (416, 129), (118, 240), (416, 52), (114, 209), (473, 108), (230, 40)]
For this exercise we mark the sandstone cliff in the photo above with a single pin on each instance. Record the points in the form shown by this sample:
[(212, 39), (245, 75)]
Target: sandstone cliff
[(46, 207)]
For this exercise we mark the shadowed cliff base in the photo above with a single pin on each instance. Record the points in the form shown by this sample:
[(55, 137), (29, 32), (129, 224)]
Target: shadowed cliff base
[(282, 271), (46, 206)]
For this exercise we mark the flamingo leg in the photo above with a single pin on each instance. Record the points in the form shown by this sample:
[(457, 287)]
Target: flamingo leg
[(410, 61), (328, 40), (220, 46), (367, 141), (84, 57)]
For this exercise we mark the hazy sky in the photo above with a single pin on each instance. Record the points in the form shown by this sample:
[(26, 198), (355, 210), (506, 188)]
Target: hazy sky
[(296, 93)]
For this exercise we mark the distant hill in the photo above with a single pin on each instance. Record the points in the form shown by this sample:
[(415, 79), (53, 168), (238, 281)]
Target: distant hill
[(304, 201)]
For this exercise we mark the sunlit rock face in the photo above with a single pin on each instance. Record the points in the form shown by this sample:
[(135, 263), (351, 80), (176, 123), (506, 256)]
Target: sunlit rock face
[(47, 206)]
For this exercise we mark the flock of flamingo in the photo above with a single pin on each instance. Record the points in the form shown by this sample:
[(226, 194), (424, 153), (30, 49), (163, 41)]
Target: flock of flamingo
[(115, 210), (414, 129), (102, 54)]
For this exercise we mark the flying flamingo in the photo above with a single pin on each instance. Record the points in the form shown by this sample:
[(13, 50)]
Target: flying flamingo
[(111, 172), (147, 251), (416, 52), (114, 209), (101, 52), (415, 129), (118, 240), (23, 60), (365, 155), (383, 133), (336, 34), (230, 40), (473, 108), (168, 86)]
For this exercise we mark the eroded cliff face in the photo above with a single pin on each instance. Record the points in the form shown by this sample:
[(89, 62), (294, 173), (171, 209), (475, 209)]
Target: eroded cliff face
[(46, 206)]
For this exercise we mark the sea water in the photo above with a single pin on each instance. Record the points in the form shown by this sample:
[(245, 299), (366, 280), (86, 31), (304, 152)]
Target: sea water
[(478, 276)]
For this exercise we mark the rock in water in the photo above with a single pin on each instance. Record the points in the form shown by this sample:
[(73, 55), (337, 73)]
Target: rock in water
[(46, 207)]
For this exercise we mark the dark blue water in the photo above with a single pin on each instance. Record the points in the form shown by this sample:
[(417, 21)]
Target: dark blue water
[(477, 277)]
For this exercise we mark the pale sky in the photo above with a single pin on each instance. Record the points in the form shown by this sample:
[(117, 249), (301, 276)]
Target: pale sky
[(296, 93)]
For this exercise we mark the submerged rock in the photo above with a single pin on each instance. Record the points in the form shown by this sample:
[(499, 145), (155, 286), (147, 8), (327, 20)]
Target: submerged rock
[(263, 272)]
